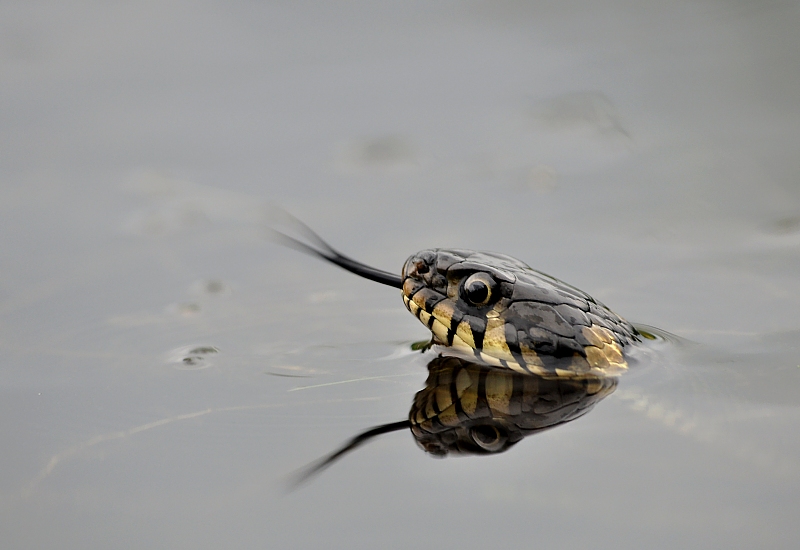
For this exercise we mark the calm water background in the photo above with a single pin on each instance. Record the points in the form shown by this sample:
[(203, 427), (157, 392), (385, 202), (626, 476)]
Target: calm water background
[(164, 367)]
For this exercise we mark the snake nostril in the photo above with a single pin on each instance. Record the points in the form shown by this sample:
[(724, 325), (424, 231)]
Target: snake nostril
[(422, 268)]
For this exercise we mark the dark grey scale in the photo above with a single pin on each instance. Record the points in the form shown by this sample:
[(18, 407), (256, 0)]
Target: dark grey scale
[(601, 312), (528, 288), (499, 261), (626, 334), (507, 290), (467, 267), (543, 342), (614, 324), (546, 343), (600, 321), (563, 287), (566, 288), (613, 319), (565, 347), (622, 333), (446, 259), (572, 315), (541, 315), (569, 297), (557, 284), (604, 317)]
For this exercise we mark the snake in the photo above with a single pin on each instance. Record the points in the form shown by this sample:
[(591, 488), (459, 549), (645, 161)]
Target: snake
[(497, 310), (525, 351)]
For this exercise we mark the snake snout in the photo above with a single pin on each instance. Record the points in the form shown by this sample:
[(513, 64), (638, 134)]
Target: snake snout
[(421, 269), (420, 265)]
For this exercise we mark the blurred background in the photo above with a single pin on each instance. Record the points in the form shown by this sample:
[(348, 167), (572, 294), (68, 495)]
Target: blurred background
[(165, 366)]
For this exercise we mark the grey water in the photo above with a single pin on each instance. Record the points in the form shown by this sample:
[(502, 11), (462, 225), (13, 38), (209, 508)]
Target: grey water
[(165, 368)]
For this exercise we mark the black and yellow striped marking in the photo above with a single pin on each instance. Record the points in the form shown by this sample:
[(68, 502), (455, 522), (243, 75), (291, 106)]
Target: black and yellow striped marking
[(535, 324), (470, 408)]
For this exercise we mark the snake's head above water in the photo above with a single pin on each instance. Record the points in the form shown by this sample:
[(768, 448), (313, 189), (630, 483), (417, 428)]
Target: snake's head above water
[(497, 309)]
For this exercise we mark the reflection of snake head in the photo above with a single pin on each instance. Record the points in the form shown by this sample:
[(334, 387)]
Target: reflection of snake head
[(467, 408), (506, 314)]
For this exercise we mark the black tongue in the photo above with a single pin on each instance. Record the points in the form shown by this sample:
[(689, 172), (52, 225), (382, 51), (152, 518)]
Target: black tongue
[(316, 467), (319, 248)]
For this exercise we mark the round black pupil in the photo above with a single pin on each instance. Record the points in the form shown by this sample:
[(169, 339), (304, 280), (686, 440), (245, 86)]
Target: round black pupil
[(477, 292)]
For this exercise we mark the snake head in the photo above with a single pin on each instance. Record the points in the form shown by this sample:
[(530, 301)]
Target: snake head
[(452, 292), (500, 311)]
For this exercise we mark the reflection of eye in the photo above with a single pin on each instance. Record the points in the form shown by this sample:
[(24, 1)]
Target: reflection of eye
[(478, 289), (488, 437)]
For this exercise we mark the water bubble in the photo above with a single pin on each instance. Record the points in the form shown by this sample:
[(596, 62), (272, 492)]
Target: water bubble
[(193, 357)]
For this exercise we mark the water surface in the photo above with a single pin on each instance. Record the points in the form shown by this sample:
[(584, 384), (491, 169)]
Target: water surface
[(166, 367)]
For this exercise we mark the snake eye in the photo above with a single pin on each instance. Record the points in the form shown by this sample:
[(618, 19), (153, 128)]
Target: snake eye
[(488, 437), (478, 289)]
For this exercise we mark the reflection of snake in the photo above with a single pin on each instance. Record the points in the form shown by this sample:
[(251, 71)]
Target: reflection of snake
[(498, 310), (467, 408)]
